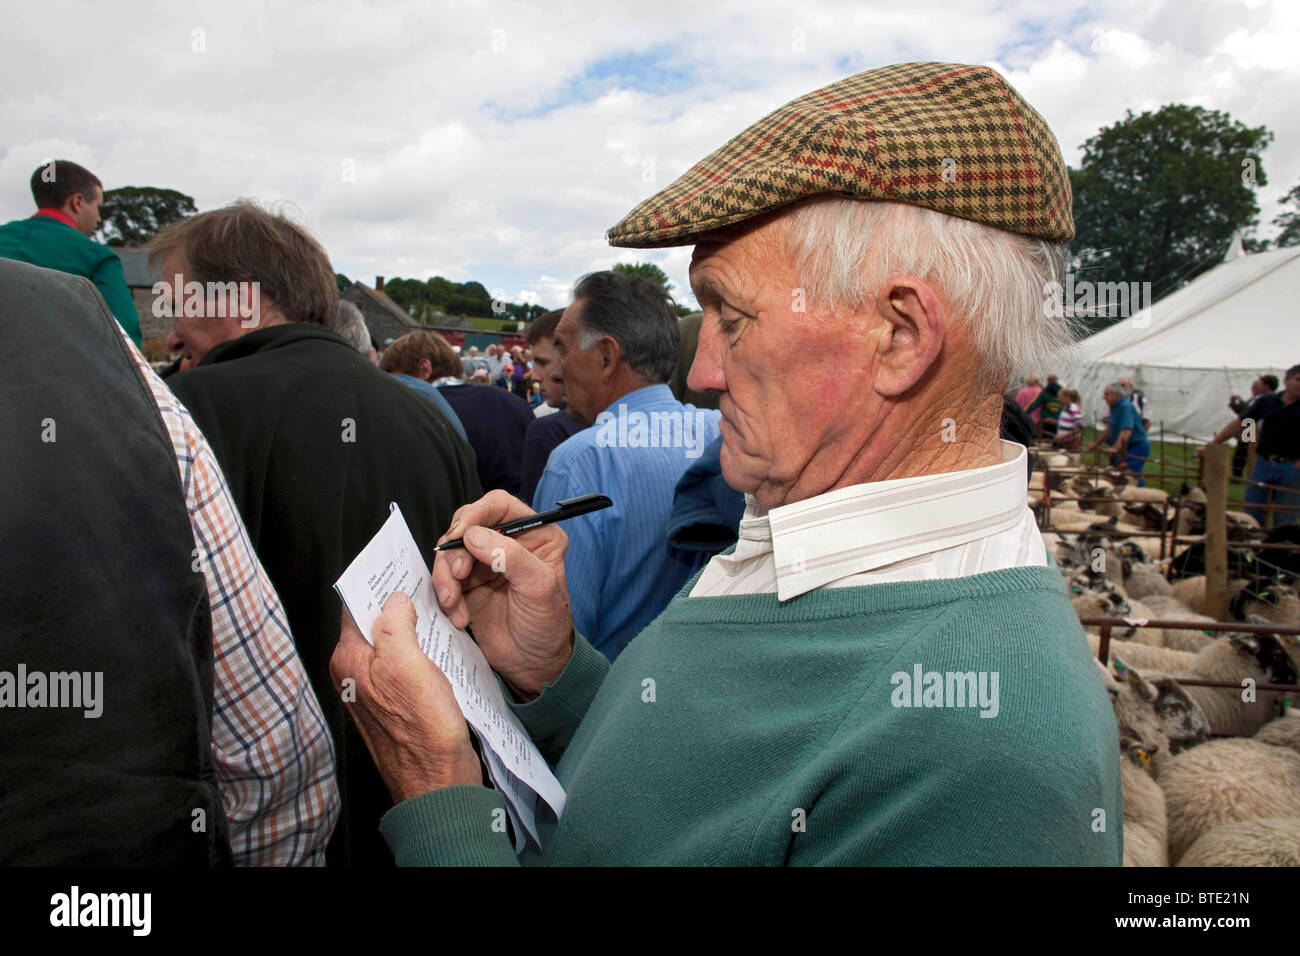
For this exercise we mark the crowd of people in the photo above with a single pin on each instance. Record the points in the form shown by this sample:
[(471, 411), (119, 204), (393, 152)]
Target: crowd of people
[(1058, 417), (719, 667), (1269, 421)]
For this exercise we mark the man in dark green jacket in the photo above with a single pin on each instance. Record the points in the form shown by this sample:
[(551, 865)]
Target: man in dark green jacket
[(57, 237)]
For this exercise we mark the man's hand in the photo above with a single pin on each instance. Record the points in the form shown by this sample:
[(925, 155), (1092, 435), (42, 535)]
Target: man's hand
[(404, 705), (511, 590)]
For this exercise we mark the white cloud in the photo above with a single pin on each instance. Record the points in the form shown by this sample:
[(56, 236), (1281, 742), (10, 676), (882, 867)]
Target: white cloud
[(476, 144)]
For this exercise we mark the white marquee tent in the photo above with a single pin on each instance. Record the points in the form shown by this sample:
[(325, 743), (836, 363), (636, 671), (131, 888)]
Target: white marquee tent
[(1194, 348)]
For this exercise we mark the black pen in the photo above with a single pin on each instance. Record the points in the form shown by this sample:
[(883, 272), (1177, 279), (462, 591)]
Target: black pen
[(568, 508)]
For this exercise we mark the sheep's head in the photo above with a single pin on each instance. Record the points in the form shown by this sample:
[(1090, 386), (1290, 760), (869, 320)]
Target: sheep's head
[(1275, 658), (1183, 718), (1135, 748), (1132, 554), (1160, 710)]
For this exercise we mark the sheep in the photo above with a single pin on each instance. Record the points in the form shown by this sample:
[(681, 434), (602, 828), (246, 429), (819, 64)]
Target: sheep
[(1282, 732), (1144, 656), (1243, 520), (1180, 639), (1150, 546), (1223, 781), (1145, 580), (1151, 636), (1263, 658), (1145, 823), (1191, 591), (1157, 496), (1071, 519), (1157, 711), (1276, 604), (1271, 841)]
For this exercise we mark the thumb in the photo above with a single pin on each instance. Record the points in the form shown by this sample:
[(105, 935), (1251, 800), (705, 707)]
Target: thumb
[(394, 629), (506, 556)]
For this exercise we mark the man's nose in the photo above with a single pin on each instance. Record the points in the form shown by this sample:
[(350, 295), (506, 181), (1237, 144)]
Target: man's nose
[(174, 341), (706, 371)]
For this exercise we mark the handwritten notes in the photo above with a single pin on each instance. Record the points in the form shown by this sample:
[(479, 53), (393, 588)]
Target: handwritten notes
[(391, 562)]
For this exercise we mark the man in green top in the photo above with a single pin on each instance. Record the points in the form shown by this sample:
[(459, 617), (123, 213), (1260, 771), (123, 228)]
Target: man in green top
[(58, 236), (886, 668)]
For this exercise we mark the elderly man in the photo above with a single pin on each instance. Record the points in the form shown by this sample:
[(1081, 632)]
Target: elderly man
[(314, 440), (1138, 399), (618, 347), (1127, 438), (57, 236), (887, 669)]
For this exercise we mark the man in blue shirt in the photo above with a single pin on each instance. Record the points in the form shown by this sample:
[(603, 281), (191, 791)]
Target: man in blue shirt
[(618, 345), (1124, 432)]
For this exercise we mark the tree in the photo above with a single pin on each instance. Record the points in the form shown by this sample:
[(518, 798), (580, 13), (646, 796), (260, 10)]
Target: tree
[(1289, 221), (343, 282), (646, 270), (133, 215), (1157, 197)]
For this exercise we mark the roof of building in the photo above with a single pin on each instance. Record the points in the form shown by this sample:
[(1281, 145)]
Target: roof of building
[(384, 318), (135, 266)]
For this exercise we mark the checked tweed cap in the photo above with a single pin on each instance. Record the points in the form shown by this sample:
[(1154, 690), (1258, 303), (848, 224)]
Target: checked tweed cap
[(951, 137)]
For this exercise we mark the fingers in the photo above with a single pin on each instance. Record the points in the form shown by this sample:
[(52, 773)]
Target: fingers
[(352, 655), (508, 557), (496, 507)]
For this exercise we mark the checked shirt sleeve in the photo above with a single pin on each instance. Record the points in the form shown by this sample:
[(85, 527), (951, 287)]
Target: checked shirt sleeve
[(272, 749)]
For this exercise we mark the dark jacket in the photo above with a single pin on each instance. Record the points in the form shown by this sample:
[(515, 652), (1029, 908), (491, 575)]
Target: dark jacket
[(542, 437), (315, 442), (96, 578), (495, 421), (706, 510)]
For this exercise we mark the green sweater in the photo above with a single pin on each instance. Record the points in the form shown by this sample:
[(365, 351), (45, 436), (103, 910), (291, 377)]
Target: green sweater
[(775, 734), (43, 241)]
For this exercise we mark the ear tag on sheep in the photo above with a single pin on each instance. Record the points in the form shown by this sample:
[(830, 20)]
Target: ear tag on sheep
[(1077, 590), (1143, 755), (1136, 621)]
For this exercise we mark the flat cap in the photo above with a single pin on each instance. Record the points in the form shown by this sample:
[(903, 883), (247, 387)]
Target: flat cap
[(948, 136)]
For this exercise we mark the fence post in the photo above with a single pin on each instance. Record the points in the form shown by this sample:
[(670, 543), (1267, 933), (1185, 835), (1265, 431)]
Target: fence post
[(1216, 530)]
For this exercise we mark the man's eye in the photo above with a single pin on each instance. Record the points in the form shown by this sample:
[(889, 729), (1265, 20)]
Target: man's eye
[(730, 325)]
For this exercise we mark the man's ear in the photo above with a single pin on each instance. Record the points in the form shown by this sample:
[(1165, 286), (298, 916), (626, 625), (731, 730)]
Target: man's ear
[(426, 370), (912, 334), (611, 354)]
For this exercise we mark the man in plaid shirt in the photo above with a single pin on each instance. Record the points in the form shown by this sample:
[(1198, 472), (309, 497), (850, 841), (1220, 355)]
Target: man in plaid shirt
[(273, 753)]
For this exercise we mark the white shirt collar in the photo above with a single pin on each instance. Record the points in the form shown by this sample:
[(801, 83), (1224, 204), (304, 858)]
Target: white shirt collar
[(862, 527)]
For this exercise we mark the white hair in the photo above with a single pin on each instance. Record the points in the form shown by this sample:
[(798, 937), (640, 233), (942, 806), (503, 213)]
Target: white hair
[(349, 323), (996, 282)]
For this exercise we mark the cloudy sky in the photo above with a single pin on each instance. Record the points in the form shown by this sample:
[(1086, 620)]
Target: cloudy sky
[(498, 141)]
